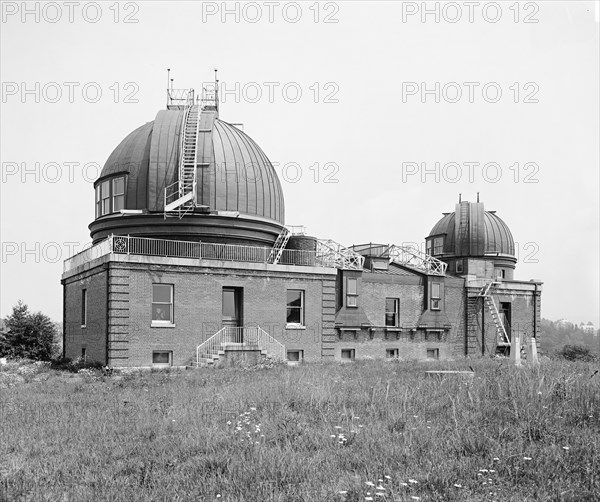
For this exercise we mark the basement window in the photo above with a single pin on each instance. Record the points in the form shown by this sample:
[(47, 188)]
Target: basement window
[(433, 353), (162, 358), (295, 356), (392, 353), (348, 354)]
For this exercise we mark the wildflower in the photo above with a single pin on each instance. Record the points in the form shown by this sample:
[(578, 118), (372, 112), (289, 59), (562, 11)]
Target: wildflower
[(412, 481), (343, 492), (457, 485), (526, 458), (253, 409), (492, 470), (333, 436), (496, 459), (404, 484), (368, 498), (228, 422), (387, 477), (369, 483), (380, 487), (565, 447), (337, 427), (415, 498)]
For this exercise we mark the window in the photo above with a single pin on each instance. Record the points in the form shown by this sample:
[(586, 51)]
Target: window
[(429, 247), (83, 307), (459, 267), (351, 292), (162, 303), (118, 193), (347, 354), (391, 312), (500, 273), (162, 358), (392, 353), (438, 245), (433, 353), (295, 307), (98, 202), (83, 354), (295, 356), (435, 296), (105, 187), (110, 196)]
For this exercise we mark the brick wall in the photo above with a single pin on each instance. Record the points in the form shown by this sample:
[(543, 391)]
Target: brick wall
[(92, 337), (198, 309)]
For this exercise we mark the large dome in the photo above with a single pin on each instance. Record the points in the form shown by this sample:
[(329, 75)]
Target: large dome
[(235, 179)]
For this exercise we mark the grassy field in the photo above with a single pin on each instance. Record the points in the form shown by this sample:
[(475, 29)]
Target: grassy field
[(327, 432)]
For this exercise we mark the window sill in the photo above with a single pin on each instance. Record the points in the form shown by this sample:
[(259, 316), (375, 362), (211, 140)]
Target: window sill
[(392, 328), (294, 326), (84, 326), (161, 324)]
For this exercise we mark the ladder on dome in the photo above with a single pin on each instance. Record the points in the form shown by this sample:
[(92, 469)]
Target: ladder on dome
[(488, 299), (181, 196), (463, 224), (279, 246)]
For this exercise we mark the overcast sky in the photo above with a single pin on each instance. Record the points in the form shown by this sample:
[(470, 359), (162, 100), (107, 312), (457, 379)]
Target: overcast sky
[(353, 102)]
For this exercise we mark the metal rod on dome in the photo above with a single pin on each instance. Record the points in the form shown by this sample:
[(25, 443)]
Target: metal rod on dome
[(459, 198), (477, 196), (216, 91), (168, 94)]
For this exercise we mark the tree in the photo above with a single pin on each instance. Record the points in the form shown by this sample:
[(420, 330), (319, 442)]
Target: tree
[(29, 335)]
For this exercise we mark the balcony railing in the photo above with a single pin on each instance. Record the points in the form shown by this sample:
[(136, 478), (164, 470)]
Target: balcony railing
[(126, 245)]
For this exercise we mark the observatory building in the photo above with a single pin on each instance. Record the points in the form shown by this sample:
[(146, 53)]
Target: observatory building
[(192, 264)]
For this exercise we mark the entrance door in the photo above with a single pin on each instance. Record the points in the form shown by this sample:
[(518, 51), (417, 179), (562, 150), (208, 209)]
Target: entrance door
[(232, 314)]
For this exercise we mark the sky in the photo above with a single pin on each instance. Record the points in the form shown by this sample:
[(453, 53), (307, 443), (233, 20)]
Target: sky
[(376, 116)]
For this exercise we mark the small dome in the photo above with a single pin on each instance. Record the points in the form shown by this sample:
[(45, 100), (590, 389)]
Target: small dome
[(479, 232)]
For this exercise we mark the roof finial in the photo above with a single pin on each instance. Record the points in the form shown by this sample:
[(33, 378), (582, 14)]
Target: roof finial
[(459, 198), (477, 196)]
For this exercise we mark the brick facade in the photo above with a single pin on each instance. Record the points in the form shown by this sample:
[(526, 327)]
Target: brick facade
[(119, 330)]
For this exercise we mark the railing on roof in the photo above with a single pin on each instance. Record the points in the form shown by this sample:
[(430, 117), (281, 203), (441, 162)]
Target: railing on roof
[(412, 257), (123, 244), (96, 251), (179, 99), (337, 256), (407, 256)]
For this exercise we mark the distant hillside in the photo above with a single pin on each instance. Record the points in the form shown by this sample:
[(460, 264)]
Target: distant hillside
[(554, 337)]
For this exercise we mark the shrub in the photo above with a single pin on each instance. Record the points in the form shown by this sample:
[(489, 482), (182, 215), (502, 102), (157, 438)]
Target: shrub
[(577, 353)]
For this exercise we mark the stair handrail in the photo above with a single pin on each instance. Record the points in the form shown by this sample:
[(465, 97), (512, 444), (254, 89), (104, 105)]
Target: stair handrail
[(485, 293), (209, 342), (274, 348)]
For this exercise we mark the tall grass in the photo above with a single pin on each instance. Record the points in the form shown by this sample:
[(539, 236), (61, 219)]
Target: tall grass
[(323, 432)]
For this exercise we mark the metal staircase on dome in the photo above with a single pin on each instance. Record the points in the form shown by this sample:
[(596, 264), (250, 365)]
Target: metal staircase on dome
[(181, 196), (279, 246), (488, 299)]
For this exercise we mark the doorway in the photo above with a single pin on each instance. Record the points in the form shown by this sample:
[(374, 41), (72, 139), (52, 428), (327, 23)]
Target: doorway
[(231, 318), (505, 315)]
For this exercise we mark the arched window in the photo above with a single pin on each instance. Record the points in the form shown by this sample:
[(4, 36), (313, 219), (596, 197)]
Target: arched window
[(110, 196)]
